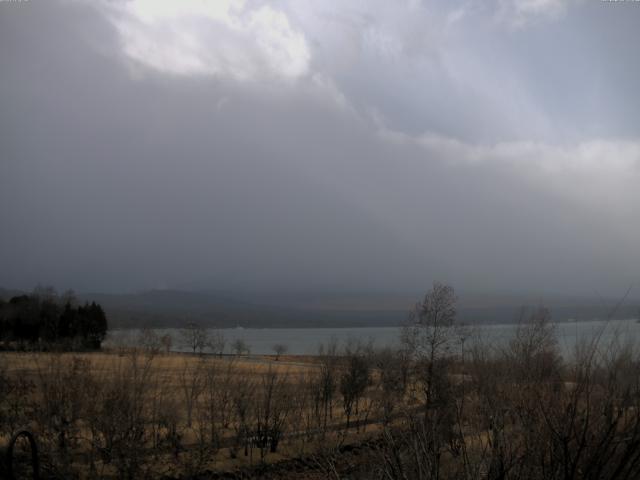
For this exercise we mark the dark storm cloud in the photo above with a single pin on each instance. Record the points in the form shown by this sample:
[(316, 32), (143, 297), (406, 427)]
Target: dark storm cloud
[(325, 148)]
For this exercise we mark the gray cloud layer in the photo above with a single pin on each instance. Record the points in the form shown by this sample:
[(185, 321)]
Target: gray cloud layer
[(320, 145)]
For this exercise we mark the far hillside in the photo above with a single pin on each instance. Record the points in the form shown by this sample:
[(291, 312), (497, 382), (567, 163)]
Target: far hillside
[(173, 308)]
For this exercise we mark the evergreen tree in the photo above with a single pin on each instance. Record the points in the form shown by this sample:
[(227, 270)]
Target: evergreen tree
[(43, 318)]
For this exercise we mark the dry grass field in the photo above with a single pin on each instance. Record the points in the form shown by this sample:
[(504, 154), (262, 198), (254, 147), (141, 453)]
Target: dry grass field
[(418, 412), (173, 413)]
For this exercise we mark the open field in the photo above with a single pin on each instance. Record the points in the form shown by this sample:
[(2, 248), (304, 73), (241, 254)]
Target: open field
[(520, 412), (186, 413)]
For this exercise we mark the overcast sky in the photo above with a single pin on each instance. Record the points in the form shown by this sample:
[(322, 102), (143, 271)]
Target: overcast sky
[(320, 145)]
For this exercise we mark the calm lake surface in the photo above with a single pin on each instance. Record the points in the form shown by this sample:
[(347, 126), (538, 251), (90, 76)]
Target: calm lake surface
[(306, 341)]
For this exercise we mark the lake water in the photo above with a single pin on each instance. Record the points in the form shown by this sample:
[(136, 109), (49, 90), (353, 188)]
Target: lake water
[(306, 341)]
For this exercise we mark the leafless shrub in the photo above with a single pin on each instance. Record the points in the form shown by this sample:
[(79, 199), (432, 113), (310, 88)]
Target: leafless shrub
[(63, 393), (119, 421), (16, 406)]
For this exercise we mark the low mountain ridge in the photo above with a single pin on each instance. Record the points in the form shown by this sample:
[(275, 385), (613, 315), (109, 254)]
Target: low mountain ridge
[(174, 308)]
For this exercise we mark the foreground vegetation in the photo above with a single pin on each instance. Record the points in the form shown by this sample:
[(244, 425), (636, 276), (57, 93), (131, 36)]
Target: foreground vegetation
[(445, 405)]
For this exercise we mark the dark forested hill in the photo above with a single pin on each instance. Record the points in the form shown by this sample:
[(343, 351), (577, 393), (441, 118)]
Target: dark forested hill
[(171, 308), (174, 308), (168, 308)]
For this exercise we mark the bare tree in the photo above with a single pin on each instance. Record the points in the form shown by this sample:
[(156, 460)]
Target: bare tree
[(217, 342), (279, 349), (243, 395), (64, 389), (210, 408), (195, 337), (354, 380), (534, 349), (430, 339), (119, 420), (272, 405), (166, 341), (191, 384), (432, 334), (240, 347), (391, 382), (326, 383), (69, 297), (149, 340), (303, 415)]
